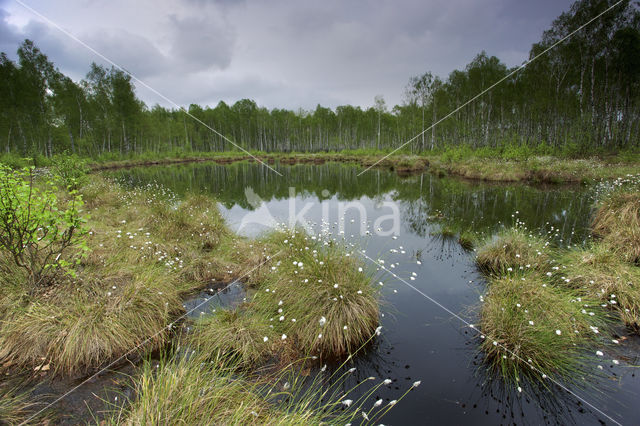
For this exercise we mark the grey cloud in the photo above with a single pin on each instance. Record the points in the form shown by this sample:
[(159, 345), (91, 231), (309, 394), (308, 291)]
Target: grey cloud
[(294, 53), (202, 42), (133, 52), (9, 35)]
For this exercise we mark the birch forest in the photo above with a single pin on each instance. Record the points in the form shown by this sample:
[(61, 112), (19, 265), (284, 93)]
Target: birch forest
[(581, 97)]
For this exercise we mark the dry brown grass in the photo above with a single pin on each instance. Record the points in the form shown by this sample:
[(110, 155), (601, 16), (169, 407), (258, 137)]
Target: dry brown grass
[(600, 273), (617, 223), (147, 250), (513, 250)]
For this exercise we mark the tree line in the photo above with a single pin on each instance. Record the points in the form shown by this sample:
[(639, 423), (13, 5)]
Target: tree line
[(582, 95)]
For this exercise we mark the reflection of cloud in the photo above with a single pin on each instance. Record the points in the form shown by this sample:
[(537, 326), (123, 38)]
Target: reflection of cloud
[(261, 217), (253, 199)]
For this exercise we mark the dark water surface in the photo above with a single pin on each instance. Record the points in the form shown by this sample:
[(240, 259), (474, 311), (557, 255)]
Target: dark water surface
[(420, 340)]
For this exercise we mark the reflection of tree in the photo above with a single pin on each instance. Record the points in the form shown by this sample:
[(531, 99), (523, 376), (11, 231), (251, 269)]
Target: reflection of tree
[(228, 183), (459, 205), (425, 201)]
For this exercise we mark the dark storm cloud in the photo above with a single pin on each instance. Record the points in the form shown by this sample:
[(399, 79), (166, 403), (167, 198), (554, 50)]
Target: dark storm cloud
[(284, 53)]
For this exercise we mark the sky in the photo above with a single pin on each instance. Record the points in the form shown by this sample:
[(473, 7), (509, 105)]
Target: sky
[(282, 54)]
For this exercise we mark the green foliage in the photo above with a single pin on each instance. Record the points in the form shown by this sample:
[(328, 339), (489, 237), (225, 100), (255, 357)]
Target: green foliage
[(70, 171), (16, 406), (36, 227), (547, 107)]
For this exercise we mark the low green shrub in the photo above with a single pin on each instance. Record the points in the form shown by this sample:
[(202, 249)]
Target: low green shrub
[(37, 229)]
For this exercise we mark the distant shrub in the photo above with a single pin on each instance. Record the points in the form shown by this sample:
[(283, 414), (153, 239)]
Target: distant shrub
[(70, 171), (36, 228)]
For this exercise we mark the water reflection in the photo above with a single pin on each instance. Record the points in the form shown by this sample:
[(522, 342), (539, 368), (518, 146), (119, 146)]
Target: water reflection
[(425, 200), (420, 341)]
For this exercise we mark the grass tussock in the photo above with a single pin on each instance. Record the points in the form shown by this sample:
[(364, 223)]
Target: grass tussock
[(467, 240), (315, 299), (238, 334), (513, 249), (16, 407), (529, 323), (617, 223), (550, 313), (180, 391), (146, 250), (599, 273), (89, 326), (318, 295)]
